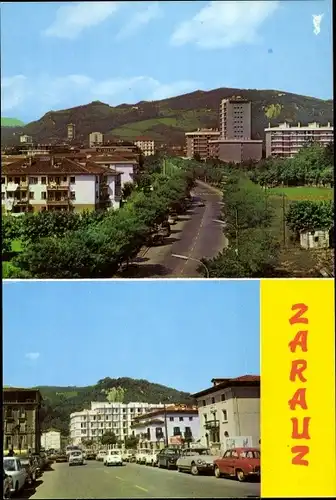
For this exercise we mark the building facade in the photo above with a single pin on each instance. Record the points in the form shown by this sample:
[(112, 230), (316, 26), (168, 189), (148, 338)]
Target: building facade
[(285, 140), (235, 117), (96, 139), (106, 417), (21, 420), (51, 183), (125, 166), (26, 139), (230, 409), (237, 150), (198, 142), (71, 131), (173, 425), (51, 440), (146, 145)]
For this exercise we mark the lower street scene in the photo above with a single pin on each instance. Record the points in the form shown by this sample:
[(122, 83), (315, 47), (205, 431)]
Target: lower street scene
[(124, 396), (93, 480)]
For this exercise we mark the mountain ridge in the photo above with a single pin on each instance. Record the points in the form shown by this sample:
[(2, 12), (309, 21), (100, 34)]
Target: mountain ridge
[(168, 119)]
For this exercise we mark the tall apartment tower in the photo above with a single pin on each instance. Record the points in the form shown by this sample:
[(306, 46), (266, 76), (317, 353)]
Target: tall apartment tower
[(235, 118), (71, 131)]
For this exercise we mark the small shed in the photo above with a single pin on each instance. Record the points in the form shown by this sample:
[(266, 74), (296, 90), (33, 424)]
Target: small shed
[(314, 239)]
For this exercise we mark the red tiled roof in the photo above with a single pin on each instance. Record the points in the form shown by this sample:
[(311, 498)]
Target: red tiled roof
[(39, 166), (248, 380), (113, 159), (143, 138)]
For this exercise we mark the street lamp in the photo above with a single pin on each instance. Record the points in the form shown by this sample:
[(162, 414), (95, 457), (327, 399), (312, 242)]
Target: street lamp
[(185, 257)]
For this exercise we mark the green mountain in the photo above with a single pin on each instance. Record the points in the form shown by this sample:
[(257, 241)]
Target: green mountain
[(59, 402), (167, 120), (11, 122)]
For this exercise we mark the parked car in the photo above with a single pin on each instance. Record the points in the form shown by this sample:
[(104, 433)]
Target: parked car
[(101, 455), (201, 203), (90, 455), (40, 460), (140, 456), (113, 457), (76, 458), (33, 471), (7, 485), (151, 458), (241, 463), (61, 457), (127, 455), (14, 469), (196, 460), (172, 217), (168, 457)]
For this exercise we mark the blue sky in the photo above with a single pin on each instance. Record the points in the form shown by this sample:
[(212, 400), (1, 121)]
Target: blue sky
[(70, 54), (177, 333)]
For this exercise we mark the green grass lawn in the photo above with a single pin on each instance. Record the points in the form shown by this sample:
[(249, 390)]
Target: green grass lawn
[(304, 193)]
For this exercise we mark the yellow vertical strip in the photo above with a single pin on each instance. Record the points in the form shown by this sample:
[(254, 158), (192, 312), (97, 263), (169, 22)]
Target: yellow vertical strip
[(298, 416)]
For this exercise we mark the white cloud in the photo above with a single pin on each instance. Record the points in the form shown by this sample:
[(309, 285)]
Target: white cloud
[(47, 92), (33, 356), (140, 19), (73, 18), (224, 24)]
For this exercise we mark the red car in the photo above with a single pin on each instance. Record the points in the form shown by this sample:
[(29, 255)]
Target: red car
[(240, 463)]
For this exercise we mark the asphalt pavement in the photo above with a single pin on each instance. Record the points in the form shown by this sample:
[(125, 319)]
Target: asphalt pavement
[(93, 480)]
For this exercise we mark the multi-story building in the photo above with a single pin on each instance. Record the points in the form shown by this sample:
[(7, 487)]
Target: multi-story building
[(230, 409), (71, 131), (146, 144), (286, 140), (21, 419), (169, 425), (235, 118), (96, 139), (51, 183), (236, 150), (106, 417), (125, 165), (198, 142), (51, 440), (26, 139)]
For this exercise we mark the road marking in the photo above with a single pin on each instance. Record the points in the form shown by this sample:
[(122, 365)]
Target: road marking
[(195, 240), (120, 478), (141, 488)]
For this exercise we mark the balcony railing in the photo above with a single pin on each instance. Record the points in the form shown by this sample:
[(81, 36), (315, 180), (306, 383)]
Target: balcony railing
[(63, 201), (212, 424), (58, 187)]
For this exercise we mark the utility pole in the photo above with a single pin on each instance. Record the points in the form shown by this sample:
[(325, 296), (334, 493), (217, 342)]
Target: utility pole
[(284, 219), (237, 231), (165, 424)]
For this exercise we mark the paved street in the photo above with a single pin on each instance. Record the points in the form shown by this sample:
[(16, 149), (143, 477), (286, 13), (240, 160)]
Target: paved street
[(93, 480), (196, 235)]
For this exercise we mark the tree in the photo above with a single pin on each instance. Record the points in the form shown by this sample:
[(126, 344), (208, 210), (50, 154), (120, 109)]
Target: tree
[(310, 215), (108, 438), (127, 190), (131, 442)]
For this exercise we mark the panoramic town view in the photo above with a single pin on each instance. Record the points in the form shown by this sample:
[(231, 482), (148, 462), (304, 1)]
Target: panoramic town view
[(129, 177), (137, 409)]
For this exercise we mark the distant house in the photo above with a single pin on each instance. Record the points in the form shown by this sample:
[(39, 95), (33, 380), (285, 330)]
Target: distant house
[(314, 239), (51, 440)]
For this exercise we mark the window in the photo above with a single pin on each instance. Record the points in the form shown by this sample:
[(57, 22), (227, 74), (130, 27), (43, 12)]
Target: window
[(43, 195), (33, 180), (181, 419), (3, 180), (191, 419), (3, 196), (10, 179), (213, 400), (171, 419), (177, 431), (72, 195), (225, 415), (43, 180), (64, 179), (204, 402), (31, 195), (223, 397), (72, 180)]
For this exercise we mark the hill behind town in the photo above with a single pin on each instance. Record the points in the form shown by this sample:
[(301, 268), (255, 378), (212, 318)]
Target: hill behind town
[(167, 120), (59, 402)]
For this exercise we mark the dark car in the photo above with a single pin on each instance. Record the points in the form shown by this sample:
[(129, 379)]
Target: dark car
[(61, 457), (90, 455), (168, 457), (31, 467)]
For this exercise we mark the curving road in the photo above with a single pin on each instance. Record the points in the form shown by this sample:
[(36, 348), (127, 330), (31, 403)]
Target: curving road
[(196, 235), (93, 480)]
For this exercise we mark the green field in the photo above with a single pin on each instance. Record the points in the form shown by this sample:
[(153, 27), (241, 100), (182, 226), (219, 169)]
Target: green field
[(304, 193), (11, 122)]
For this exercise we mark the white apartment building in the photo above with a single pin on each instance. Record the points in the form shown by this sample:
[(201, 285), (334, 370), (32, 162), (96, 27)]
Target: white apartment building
[(96, 139), (146, 145), (286, 140), (229, 412), (106, 417), (51, 440), (26, 139), (124, 166), (48, 183)]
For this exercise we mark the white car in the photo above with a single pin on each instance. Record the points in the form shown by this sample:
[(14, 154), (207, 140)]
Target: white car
[(101, 455), (127, 455), (151, 458), (76, 458), (196, 460), (113, 457), (13, 468), (140, 456)]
